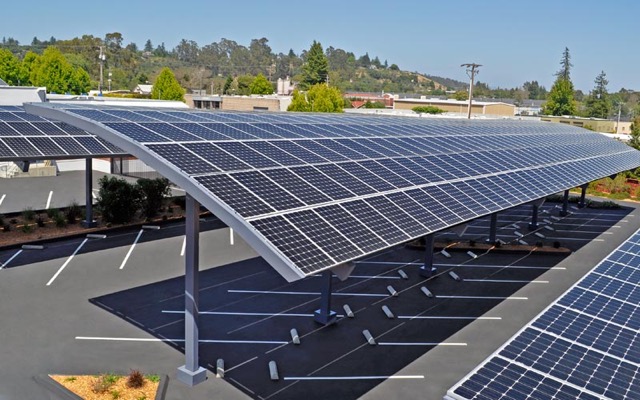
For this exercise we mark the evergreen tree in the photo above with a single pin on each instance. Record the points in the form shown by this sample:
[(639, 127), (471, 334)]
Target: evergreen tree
[(598, 103), (261, 85), (227, 85), (560, 100), (166, 87), (316, 67), (148, 47), (565, 65)]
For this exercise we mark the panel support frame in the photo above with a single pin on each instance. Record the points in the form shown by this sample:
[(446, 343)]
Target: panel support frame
[(427, 269), (88, 222), (324, 315), (565, 204), (191, 373), (583, 195)]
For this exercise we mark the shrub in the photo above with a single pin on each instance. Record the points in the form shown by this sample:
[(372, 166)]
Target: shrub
[(153, 192), (556, 245), (154, 378), (115, 394), (609, 204), (180, 201), (26, 228), (135, 379), (6, 228), (13, 221), (52, 212), (427, 110), (472, 243), (539, 243), (104, 382), (60, 220), (28, 214), (40, 222), (73, 212), (118, 199), (1, 220)]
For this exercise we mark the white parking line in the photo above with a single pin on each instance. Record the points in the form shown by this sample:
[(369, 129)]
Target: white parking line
[(350, 378), (231, 241), (249, 314), (2, 198), (446, 317), (483, 297), (364, 276), (503, 281), (53, 278), (184, 246), (49, 199), (420, 344), (460, 265), (93, 193), (308, 293), (131, 249), (11, 259), (124, 339)]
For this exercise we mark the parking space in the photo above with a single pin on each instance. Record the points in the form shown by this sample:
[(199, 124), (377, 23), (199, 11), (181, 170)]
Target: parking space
[(248, 310)]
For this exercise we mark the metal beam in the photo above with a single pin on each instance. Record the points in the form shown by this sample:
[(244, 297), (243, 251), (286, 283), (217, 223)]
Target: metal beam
[(565, 204), (428, 269), (583, 194), (493, 228), (88, 188), (191, 373), (534, 217), (324, 315)]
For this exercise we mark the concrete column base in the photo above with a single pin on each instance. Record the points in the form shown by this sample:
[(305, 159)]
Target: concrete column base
[(324, 318), (191, 378), (88, 224)]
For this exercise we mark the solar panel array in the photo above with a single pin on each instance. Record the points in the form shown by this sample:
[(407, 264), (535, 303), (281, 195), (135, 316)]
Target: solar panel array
[(586, 345), (326, 189), (26, 136)]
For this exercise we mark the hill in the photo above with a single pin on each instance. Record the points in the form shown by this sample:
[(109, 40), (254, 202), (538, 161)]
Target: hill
[(208, 67)]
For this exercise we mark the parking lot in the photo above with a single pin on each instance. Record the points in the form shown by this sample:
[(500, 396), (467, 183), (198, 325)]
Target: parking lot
[(96, 305)]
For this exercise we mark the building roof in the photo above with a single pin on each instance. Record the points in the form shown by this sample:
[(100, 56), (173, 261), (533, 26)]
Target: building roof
[(311, 192), (453, 102)]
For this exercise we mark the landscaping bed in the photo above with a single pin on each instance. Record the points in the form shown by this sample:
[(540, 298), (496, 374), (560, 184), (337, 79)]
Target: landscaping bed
[(134, 386)]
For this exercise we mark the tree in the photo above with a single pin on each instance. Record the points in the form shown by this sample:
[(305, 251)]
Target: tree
[(394, 67), (560, 100), (166, 87), (118, 199), (148, 46), (536, 92), (53, 71), (152, 194), (261, 85), (634, 141), (315, 68), (598, 104), (565, 66), (461, 95), (9, 67), (244, 85), (113, 40), (427, 110), (227, 85), (26, 67), (319, 98)]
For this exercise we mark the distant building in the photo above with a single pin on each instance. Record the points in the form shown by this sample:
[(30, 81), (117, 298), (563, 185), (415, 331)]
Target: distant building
[(359, 99), (143, 89), (239, 103), (594, 124), (284, 87), (458, 106)]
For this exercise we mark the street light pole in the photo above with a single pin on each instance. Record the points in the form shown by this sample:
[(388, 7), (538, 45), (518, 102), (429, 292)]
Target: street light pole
[(102, 57), (472, 69)]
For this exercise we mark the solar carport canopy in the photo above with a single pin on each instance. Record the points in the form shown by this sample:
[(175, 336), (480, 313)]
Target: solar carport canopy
[(26, 137), (309, 192)]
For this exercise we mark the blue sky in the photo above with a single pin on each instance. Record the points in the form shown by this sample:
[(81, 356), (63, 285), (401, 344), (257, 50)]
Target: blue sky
[(516, 41)]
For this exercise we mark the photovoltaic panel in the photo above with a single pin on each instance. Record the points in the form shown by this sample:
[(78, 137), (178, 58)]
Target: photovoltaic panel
[(399, 178), (585, 345), (26, 136)]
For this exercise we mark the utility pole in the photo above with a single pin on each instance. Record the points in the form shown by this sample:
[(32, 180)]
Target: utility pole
[(472, 70), (619, 111), (101, 57)]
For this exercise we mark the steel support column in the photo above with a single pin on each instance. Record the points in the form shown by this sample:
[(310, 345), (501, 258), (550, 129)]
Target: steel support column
[(324, 315), (427, 270), (88, 187), (191, 373), (534, 217), (493, 228), (565, 204), (583, 194)]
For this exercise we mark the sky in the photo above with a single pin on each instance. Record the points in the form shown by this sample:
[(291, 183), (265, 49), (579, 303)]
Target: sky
[(515, 41)]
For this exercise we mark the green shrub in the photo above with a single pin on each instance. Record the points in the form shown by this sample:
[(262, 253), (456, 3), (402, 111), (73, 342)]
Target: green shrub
[(26, 228), (52, 212), (6, 228), (180, 201), (153, 192), (619, 195), (118, 199), (427, 110), (73, 212), (154, 378), (104, 382), (28, 214), (60, 220), (1, 220), (40, 222), (609, 204)]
